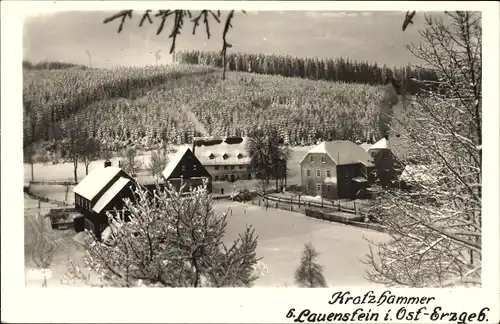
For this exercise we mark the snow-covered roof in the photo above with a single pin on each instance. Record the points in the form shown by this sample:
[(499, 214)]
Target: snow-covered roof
[(382, 144), (110, 194), (365, 146), (232, 150), (93, 183), (167, 172), (342, 152)]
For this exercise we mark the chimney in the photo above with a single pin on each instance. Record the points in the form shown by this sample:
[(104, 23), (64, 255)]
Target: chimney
[(386, 137), (194, 145), (107, 163)]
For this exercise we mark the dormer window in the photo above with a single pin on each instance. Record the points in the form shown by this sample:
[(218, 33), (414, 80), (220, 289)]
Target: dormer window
[(211, 156), (240, 155), (323, 159), (225, 156)]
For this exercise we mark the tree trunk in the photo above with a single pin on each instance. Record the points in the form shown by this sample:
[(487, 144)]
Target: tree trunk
[(87, 168), (276, 175), (224, 66), (75, 168), (32, 169), (285, 173)]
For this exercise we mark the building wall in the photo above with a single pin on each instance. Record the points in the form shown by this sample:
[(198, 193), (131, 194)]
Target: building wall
[(188, 167), (224, 172), (384, 165), (190, 183), (347, 188), (320, 167)]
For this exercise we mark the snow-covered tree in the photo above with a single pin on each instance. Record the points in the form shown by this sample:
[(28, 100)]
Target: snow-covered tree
[(167, 239), (310, 273), (436, 224)]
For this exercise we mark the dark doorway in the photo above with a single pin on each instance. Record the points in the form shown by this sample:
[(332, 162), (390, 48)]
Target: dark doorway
[(232, 177)]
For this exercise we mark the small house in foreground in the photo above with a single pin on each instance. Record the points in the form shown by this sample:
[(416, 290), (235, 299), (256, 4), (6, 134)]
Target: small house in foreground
[(101, 191), (184, 167), (336, 169)]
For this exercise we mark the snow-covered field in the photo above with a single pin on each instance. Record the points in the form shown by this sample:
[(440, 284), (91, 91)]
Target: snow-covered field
[(282, 236)]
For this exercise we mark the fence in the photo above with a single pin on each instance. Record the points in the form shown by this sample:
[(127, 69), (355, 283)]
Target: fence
[(41, 198), (54, 183), (344, 206), (266, 203), (321, 213)]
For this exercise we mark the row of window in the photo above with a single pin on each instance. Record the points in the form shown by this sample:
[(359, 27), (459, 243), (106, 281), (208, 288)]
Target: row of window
[(328, 173), (183, 167), (232, 177), (232, 167), (82, 202), (225, 156), (318, 187), (311, 159)]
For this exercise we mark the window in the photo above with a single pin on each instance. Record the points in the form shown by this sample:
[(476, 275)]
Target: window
[(329, 188), (241, 166), (232, 167), (346, 172), (225, 167), (216, 178), (308, 173), (311, 158), (328, 174), (183, 168), (211, 156), (225, 156), (216, 167), (322, 159), (318, 188), (318, 173), (240, 156), (194, 167)]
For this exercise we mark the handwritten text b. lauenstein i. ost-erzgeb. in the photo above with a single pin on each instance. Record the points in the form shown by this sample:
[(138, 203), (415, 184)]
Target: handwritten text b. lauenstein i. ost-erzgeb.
[(405, 308)]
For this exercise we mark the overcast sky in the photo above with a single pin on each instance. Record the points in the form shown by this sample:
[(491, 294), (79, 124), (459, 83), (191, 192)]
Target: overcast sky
[(368, 36)]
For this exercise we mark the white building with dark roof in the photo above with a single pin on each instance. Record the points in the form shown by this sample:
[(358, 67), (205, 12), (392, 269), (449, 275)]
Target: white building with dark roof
[(225, 158)]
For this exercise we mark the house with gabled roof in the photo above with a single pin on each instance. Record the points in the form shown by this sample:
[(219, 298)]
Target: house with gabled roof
[(102, 190), (336, 169), (184, 167), (383, 158), (225, 158)]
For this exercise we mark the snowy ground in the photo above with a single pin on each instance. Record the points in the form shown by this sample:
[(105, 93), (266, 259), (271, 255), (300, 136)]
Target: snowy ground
[(282, 236)]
